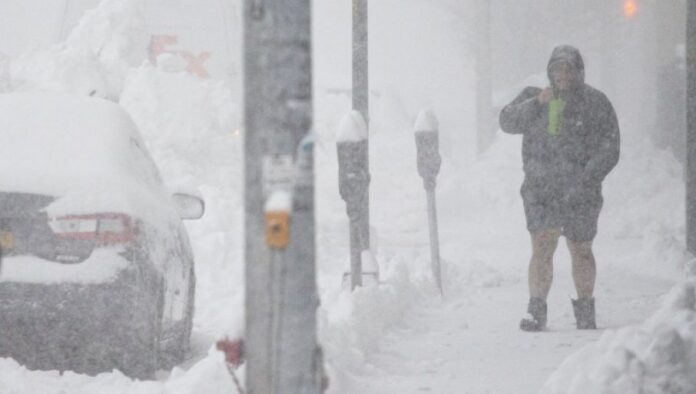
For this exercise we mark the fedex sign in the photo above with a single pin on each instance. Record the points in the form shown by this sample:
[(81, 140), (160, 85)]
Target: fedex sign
[(162, 43)]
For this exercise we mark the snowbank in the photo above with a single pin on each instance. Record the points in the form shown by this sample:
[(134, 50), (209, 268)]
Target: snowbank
[(352, 324), (644, 199), (656, 357), (95, 57), (208, 376)]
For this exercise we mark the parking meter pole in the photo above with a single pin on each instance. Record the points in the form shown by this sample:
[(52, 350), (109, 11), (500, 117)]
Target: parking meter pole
[(353, 183), (355, 253), (428, 162), (281, 299), (434, 237)]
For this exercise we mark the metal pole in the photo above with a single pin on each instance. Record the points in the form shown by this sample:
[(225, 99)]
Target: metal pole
[(484, 105), (361, 103), (691, 128), (434, 238), (361, 99), (281, 296), (355, 253)]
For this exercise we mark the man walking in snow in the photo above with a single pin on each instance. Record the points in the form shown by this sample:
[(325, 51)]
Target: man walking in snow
[(570, 142)]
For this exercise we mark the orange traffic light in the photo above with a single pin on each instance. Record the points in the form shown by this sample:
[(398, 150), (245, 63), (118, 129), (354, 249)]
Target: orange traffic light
[(630, 8)]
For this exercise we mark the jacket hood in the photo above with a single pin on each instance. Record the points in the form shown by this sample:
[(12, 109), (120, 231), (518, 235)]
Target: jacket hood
[(571, 56)]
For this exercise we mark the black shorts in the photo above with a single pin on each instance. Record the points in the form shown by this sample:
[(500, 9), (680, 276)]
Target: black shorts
[(545, 209)]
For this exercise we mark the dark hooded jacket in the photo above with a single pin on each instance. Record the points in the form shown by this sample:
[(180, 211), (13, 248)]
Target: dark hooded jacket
[(576, 159)]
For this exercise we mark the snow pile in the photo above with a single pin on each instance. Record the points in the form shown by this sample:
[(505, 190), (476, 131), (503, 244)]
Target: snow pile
[(185, 120), (657, 357), (471, 273), (209, 376), (79, 140), (351, 325), (644, 199), (93, 60)]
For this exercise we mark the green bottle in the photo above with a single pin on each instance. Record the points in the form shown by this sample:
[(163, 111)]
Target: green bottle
[(556, 107)]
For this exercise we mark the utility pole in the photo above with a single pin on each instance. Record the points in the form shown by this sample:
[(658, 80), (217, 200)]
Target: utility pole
[(361, 103), (691, 128), (281, 295), (484, 106), (361, 99)]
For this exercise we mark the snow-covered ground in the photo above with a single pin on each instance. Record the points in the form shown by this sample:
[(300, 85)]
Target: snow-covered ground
[(401, 336)]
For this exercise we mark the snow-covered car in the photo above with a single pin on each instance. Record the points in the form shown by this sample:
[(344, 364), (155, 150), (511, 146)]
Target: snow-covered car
[(97, 271)]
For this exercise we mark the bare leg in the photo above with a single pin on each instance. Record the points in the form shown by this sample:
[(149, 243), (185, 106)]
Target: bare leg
[(584, 267), (544, 245)]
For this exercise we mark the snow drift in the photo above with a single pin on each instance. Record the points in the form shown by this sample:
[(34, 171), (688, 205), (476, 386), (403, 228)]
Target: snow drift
[(656, 357)]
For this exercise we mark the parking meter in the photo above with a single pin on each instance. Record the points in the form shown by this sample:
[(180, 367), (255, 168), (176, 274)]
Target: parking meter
[(353, 175), (428, 149), (353, 184), (428, 161)]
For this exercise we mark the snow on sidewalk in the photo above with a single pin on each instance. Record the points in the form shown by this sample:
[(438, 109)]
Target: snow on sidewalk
[(470, 341)]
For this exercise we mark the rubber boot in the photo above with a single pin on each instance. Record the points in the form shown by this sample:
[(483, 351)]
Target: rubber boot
[(536, 320), (584, 313)]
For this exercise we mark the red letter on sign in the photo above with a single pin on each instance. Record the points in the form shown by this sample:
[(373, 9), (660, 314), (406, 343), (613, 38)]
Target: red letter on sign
[(195, 63), (157, 45)]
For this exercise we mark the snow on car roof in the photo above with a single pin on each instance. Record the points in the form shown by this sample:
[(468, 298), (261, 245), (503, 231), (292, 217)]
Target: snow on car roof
[(85, 150)]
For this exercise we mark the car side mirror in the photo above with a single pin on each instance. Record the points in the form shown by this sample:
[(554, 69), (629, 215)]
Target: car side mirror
[(188, 206)]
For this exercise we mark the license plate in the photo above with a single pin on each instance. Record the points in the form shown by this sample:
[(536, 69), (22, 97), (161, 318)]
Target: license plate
[(6, 240)]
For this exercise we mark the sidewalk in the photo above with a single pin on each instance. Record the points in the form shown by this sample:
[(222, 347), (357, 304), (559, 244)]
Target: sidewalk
[(470, 343)]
